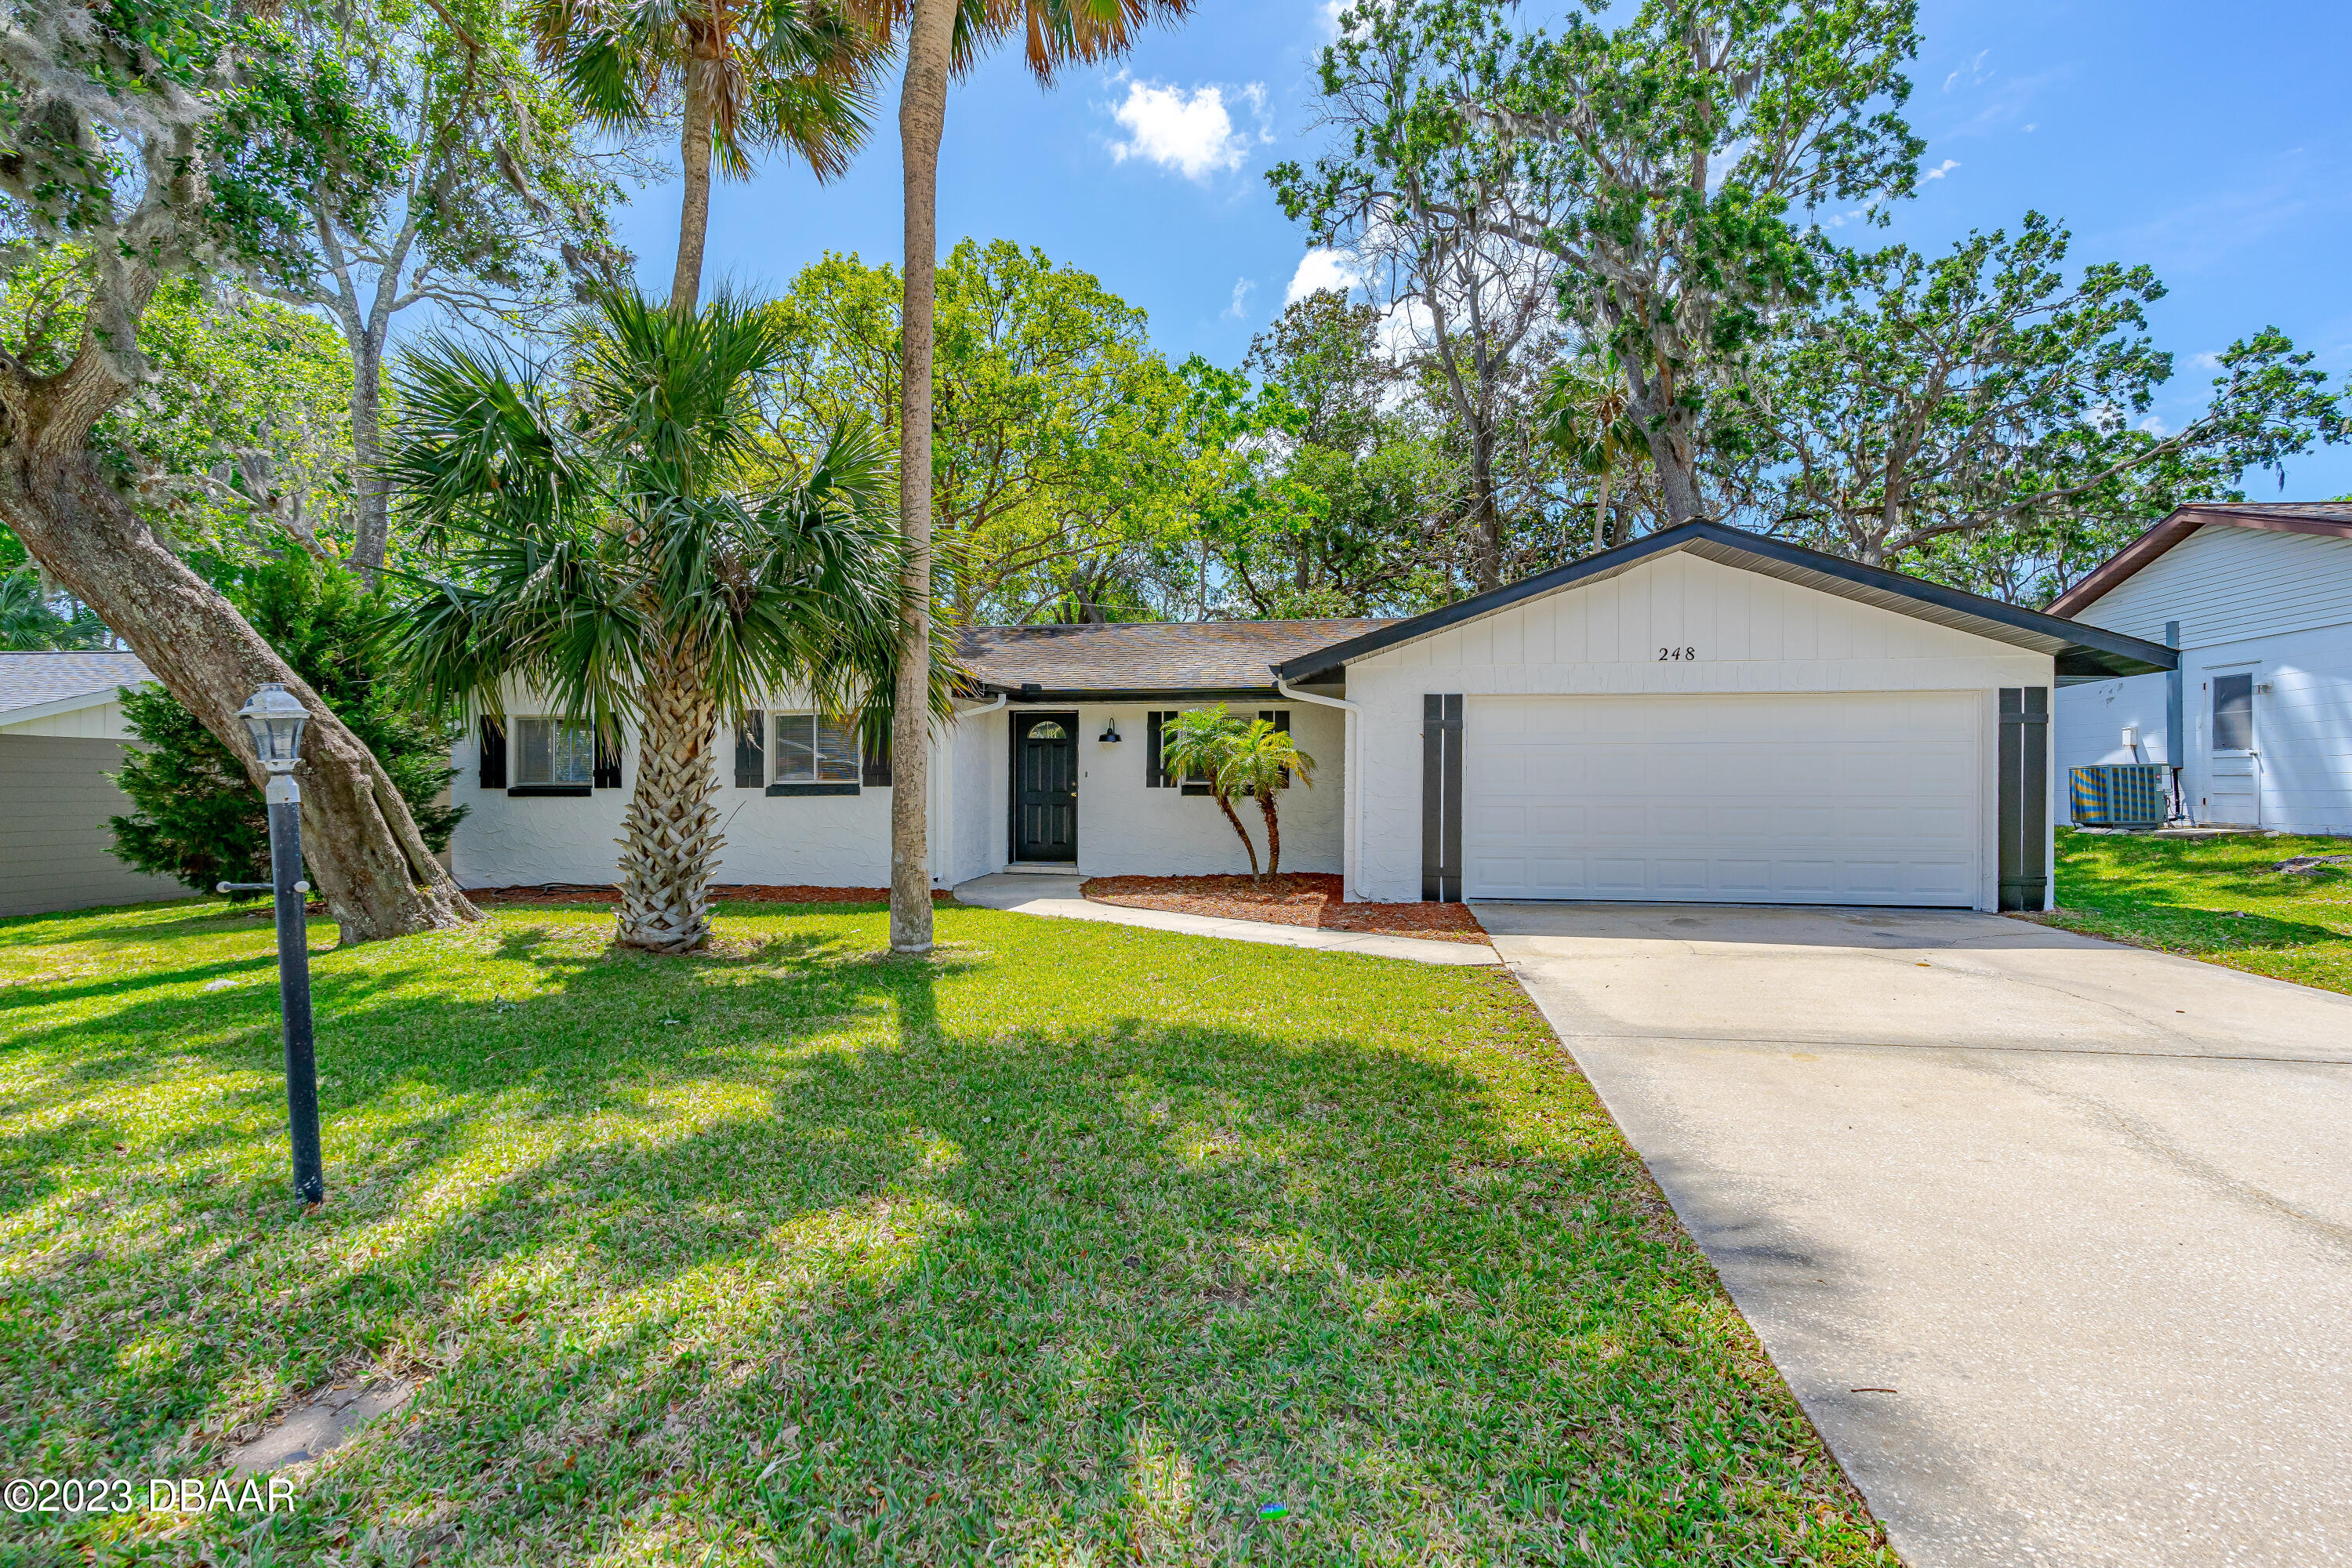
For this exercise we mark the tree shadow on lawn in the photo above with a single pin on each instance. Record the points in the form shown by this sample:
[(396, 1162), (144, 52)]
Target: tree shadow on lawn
[(909, 1287)]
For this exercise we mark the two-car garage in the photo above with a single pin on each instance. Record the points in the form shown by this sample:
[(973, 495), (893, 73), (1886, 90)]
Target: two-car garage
[(1842, 799), (1708, 716)]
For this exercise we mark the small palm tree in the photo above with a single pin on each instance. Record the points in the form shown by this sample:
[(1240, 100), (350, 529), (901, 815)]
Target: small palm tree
[(639, 555), (737, 74), (1264, 761), (1205, 744), (1588, 418)]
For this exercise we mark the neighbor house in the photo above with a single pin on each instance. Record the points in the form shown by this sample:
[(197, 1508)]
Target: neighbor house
[(1702, 715), (2256, 720), (61, 735)]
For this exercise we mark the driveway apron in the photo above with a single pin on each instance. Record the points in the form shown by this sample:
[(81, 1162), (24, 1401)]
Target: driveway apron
[(2052, 1237)]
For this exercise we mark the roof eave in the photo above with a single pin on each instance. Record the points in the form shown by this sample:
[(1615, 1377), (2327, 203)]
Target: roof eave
[(2084, 646), (58, 706)]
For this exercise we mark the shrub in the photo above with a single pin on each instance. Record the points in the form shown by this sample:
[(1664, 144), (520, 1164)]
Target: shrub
[(197, 817)]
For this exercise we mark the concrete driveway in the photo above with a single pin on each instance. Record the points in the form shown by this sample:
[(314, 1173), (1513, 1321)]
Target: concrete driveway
[(2053, 1237)]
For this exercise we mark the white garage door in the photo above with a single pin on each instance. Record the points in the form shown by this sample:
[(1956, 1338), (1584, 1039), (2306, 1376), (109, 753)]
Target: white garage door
[(1852, 798)]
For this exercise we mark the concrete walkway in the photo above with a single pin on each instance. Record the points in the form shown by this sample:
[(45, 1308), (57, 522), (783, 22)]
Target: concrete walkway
[(2052, 1237), (1031, 893)]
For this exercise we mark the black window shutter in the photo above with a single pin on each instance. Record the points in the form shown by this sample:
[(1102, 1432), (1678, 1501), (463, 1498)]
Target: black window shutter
[(1440, 797), (751, 750), (1155, 774), (1280, 719), (875, 773), (494, 753), (608, 760)]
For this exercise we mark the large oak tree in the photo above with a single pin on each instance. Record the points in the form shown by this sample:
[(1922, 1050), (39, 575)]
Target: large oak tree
[(178, 138)]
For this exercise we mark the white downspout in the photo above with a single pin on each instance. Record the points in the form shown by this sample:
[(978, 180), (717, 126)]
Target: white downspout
[(1350, 782), (947, 779)]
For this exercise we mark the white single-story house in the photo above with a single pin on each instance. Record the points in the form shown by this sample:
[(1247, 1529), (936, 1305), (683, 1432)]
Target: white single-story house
[(1702, 715), (2256, 720), (61, 735), (1699, 716)]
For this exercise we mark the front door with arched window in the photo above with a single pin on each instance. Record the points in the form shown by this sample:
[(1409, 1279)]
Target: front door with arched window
[(1045, 787)]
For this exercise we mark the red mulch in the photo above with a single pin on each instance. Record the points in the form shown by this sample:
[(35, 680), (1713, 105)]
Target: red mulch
[(721, 892), (1309, 899)]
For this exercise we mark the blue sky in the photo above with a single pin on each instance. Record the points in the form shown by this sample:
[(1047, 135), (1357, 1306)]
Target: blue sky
[(2214, 143)]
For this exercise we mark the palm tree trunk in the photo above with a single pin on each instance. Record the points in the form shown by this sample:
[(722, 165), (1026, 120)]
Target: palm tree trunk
[(922, 117), (1600, 514), (1273, 833), (1226, 804), (694, 159), (670, 835)]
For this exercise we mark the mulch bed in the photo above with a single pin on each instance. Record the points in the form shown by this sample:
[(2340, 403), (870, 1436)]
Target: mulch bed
[(1309, 899), (721, 892)]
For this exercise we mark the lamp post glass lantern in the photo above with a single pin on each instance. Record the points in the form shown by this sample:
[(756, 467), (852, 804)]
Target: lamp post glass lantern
[(275, 719)]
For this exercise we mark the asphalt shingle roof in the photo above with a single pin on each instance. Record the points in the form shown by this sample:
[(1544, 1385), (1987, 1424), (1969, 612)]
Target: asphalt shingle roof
[(1147, 656), (31, 680)]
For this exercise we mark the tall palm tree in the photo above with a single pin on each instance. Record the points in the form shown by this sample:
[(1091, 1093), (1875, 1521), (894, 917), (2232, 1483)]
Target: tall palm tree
[(630, 551), (738, 74), (1588, 417), (947, 38)]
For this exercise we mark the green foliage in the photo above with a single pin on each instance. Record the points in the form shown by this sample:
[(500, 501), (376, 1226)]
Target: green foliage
[(587, 533), (798, 75), (1058, 449), (197, 817), (1983, 416)]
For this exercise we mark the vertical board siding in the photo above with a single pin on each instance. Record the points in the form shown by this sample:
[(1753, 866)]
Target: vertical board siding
[(1755, 634)]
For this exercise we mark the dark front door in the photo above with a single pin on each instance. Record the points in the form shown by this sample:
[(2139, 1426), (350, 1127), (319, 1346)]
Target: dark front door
[(1044, 787)]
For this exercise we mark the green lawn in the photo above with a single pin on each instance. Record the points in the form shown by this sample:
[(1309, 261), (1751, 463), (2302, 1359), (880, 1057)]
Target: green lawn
[(1077, 1245), (2213, 899)]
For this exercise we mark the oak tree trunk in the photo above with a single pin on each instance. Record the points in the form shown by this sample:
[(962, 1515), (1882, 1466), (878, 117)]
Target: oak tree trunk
[(670, 834), (922, 117), (361, 847), (370, 494)]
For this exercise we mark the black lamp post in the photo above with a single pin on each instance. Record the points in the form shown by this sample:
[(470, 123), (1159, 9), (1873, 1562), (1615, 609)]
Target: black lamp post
[(275, 718)]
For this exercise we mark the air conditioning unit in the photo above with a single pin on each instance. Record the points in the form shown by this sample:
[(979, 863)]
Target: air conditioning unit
[(2118, 795)]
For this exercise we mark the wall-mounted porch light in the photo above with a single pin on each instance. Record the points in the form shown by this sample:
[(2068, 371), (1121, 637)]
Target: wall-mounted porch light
[(1109, 736)]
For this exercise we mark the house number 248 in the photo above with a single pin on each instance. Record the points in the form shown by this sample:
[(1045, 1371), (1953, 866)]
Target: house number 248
[(1676, 654)]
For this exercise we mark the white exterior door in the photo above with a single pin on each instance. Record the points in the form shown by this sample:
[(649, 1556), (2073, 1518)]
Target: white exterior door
[(1834, 798), (2233, 780)]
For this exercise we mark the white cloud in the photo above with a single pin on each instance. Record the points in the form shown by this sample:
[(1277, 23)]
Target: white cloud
[(2155, 426), (1189, 131), (2033, 127), (1321, 269), (2208, 360), (1972, 72), (1241, 288), (1330, 17), (1946, 167)]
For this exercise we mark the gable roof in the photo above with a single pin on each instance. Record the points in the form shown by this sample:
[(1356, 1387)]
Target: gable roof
[(2083, 653), (2324, 517), (60, 682), (1143, 659)]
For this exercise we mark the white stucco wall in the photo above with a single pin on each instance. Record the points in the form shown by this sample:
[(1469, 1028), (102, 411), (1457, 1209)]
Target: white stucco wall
[(1127, 828), (1124, 827), (1752, 633)]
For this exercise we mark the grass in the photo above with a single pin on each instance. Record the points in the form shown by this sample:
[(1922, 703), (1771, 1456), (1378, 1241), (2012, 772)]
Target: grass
[(2213, 899), (1075, 1245)]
